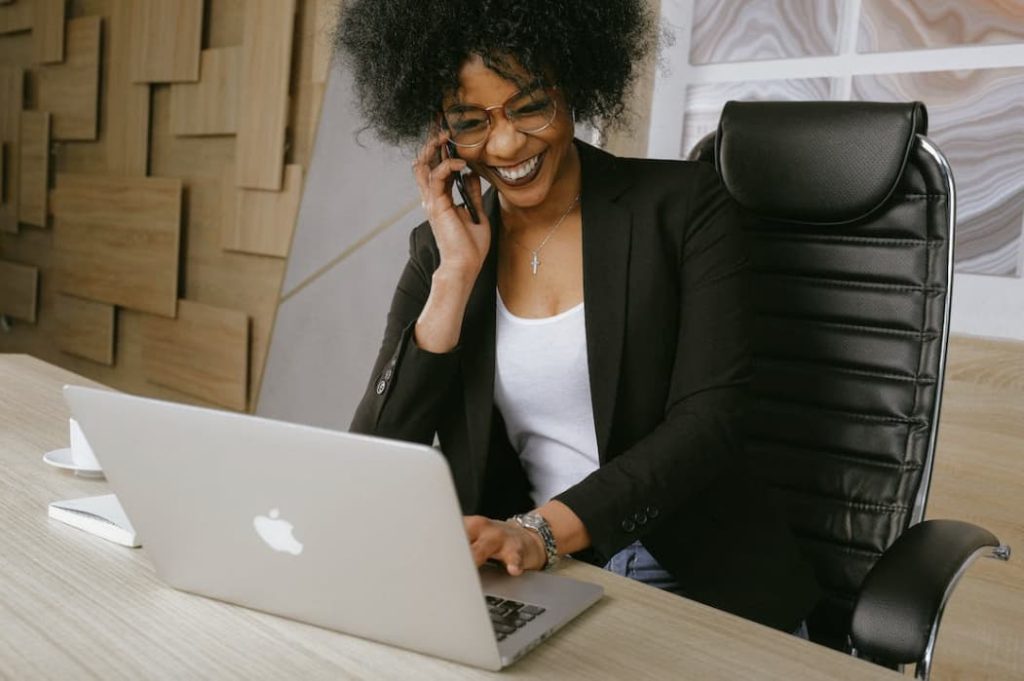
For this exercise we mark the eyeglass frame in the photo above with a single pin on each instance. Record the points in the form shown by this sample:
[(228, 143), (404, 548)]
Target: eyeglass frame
[(537, 84)]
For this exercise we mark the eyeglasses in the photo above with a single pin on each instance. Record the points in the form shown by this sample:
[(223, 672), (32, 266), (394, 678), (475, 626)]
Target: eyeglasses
[(530, 110)]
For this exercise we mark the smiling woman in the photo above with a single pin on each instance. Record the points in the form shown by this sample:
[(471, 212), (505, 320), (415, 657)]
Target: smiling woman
[(578, 342)]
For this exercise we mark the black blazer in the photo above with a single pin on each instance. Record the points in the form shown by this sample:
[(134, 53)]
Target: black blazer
[(668, 349)]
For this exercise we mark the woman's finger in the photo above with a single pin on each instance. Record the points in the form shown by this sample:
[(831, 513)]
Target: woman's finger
[(441, 180), (511, 554)]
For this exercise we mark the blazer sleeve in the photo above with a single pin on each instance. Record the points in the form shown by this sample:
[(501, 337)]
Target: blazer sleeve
[(698, 440), (407, 384)]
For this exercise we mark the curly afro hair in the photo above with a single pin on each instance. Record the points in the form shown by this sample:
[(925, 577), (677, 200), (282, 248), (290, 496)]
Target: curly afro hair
[(405, 54)]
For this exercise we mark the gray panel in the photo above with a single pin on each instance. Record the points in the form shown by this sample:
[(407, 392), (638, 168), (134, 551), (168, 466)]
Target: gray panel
[(327, 335), (355, 183)]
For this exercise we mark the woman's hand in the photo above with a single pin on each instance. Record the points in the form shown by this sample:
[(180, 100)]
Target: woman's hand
[(518, 548), (463, 244)]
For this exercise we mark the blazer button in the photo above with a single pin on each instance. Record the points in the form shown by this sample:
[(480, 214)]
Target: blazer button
[(387, 374), (640, 517), (381, 386), (652, 512), (628, 525)]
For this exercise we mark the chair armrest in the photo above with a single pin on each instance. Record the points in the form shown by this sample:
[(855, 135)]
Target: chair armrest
[(896, 617)]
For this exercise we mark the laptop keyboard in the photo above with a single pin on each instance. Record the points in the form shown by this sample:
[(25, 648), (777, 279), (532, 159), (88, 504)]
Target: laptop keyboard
[(507, 615)]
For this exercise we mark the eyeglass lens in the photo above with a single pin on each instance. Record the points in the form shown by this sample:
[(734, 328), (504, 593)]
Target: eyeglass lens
[(530, 111)]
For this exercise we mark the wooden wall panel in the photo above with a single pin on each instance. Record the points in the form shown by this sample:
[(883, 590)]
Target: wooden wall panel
[(209, 107), (117, 239), (12, 91), (323, 22), (48, 31), (16, 16), (262, 222), (126, 124), (166, 37), (135, 139), (34, 161), (266, 68), (85, 328), (19, 285), (70, 91), (204, 352)]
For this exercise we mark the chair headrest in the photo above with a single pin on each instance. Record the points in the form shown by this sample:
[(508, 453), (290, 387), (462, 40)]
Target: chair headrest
[(815, 162)]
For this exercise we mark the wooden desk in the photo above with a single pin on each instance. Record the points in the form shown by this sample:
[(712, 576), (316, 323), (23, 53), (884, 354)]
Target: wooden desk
[(76, 606)]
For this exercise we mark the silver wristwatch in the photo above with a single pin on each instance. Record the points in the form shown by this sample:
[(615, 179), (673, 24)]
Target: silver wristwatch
[(536, 522)]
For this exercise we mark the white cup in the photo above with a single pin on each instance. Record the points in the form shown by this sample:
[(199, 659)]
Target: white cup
[(81, 452)]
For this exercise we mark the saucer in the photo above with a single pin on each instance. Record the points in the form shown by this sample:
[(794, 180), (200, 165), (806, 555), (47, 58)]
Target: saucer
[(61, 458)]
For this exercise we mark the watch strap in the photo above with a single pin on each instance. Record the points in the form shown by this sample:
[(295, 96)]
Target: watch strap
[(536, 522)]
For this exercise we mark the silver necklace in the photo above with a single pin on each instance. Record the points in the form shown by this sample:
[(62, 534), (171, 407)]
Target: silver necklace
[(535, 252)]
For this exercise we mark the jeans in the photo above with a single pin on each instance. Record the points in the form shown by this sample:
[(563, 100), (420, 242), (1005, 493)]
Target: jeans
[(636, 562)]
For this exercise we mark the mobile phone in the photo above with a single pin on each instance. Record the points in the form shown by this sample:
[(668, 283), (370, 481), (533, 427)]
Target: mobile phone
[(461, 185)]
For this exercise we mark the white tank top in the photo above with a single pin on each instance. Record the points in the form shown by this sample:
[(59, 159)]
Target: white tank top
[(542, 388)]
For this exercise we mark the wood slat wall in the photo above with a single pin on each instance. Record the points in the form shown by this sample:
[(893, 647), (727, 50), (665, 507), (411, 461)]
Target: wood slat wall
[(135, 139), (166, 38), (266, 60), (204, 352), (16, 16), (48, 31), (117, 239), (12, 90), (86, 328), (209, 107), (34, 164), (262, 222), (127, 103), (70, 91), (19, 285)]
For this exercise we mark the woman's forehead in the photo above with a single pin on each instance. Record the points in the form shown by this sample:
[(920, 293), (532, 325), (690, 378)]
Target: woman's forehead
[(481, 85)]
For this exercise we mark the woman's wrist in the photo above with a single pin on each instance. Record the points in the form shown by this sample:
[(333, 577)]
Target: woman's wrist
[(440, 322), (571, 534)]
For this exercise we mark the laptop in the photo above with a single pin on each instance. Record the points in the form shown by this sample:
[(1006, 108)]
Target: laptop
[(358, 534)]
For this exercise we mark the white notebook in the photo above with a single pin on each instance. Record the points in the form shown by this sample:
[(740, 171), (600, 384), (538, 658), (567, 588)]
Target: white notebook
[(102, 516)]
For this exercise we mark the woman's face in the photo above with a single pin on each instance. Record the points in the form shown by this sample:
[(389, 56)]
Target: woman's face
[(522, 166)]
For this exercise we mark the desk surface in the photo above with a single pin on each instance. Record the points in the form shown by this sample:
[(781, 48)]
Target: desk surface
[(75, 606)]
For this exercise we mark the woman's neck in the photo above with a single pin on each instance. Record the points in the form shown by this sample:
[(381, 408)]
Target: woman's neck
[(540, 217)]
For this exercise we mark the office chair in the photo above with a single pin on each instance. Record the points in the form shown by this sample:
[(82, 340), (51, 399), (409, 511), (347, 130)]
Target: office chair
[(852, 215)]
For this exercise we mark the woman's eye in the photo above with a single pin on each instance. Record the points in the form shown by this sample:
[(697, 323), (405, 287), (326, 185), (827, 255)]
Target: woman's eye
[(532, 108)]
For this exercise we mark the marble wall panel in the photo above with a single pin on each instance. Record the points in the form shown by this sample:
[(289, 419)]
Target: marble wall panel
[(887, 26), (744, 30), (704, 101), (976, 118)]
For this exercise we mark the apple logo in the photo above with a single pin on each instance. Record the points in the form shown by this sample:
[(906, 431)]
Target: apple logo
[(276, 532)]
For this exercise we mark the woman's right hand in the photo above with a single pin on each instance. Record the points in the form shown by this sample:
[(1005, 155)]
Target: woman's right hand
[(463, 244)]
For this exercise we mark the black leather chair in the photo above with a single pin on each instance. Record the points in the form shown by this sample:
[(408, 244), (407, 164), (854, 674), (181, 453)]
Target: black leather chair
[(851, 238)]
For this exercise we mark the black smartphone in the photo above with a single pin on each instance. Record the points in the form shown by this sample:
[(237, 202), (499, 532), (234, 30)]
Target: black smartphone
[(461, 185)]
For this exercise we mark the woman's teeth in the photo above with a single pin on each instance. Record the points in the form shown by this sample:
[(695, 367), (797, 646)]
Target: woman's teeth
[(515, 173)]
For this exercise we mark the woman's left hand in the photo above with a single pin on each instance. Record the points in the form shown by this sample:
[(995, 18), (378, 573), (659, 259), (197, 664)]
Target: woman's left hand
[(518, 548)]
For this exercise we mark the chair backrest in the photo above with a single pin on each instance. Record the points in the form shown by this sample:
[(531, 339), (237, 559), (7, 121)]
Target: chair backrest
[(851, 250)]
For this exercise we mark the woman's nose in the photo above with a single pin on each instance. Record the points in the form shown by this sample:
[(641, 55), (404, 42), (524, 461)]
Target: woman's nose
[(504, 140)]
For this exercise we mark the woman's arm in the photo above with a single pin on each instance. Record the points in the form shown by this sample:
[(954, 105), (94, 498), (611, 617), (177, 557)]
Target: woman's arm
[(699, 438), (418, 357)]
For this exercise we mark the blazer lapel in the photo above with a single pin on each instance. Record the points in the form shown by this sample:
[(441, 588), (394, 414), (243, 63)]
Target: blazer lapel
[(607, 227)]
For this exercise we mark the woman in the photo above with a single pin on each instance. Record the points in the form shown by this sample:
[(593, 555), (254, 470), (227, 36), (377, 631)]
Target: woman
[(580, 352)]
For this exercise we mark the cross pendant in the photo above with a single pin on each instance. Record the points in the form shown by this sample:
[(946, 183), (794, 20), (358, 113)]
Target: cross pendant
[(534, 263)]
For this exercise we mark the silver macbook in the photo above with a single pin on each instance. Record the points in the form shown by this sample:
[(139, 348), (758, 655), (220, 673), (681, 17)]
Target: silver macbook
[(353, 533)]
